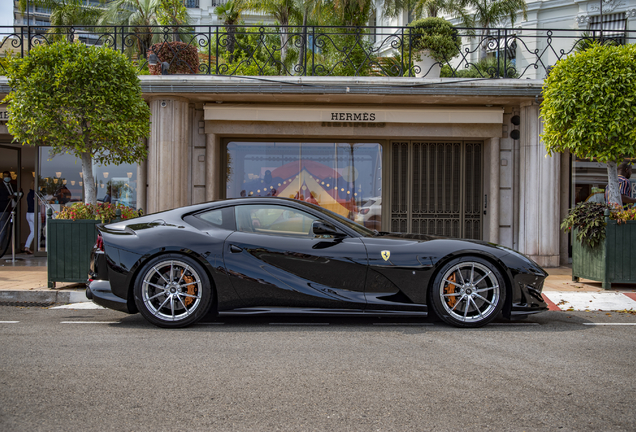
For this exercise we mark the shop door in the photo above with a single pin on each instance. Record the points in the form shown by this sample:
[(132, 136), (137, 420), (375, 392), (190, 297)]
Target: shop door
[(10, 161), (436, 188)]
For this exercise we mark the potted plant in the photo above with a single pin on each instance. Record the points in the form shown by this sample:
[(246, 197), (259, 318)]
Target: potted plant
[(434, 42), (603, 244), (182, 58), (71, 236)]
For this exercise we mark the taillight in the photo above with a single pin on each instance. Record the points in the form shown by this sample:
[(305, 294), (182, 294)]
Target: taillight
[(99, 244), (364, 210)]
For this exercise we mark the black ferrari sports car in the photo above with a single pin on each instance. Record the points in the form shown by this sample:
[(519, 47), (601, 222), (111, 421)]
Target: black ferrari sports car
[(276, 255)]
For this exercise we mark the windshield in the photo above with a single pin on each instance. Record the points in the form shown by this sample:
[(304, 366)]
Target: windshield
[(362, 230)]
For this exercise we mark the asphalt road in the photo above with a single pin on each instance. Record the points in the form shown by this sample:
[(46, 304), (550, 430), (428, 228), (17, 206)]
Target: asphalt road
[(102, 370)]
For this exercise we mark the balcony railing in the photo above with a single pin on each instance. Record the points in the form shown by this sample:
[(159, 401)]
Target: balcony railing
[(325, 51)]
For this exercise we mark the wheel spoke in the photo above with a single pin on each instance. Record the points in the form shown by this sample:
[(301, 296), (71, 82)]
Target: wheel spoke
[(189, 295), (162, 305), (153, 285), (458, 302), (483, 277), (486, 289), (459, 270), (485, 299), (183, 304), (172, 306), (171, 271), (466, 310), (156, 295), (450, 295), (451, 282), (160, 275), (187, 268), (477, 308), (472, 273)]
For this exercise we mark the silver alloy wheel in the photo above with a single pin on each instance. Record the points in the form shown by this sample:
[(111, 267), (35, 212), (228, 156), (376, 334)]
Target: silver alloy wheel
[(470, 292), (171, 290)]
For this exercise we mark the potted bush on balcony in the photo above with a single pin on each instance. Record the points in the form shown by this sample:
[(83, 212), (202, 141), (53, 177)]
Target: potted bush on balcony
[(71, 235), (433, 43), (603, 243), (181, 58)]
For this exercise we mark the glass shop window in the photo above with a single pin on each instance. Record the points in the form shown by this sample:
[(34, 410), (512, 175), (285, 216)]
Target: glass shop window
[(589, 180), (345, 178), (60, 183)]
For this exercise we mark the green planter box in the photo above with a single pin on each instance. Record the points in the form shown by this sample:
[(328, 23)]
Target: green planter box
[(613, 261), (69, 245)]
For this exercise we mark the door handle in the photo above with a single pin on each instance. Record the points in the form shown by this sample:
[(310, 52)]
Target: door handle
[(235, 249)]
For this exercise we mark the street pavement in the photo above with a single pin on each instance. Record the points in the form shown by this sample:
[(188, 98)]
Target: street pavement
[(101, 370)]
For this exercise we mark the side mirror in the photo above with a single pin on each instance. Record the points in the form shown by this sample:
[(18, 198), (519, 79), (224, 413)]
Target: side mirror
[(320, 228)]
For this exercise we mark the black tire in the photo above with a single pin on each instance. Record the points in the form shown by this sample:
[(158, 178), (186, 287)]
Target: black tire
[(468, 292), (173, 291), (6, 237)]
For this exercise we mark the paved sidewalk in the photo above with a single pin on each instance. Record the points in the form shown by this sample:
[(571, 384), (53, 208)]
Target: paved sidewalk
[(25, 281)]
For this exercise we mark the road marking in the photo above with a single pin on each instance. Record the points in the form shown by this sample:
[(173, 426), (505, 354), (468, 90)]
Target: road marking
[(82, 305), (403, 324), (299, 324), (9, 322), (89, 322), (513, 324), (610, 324)]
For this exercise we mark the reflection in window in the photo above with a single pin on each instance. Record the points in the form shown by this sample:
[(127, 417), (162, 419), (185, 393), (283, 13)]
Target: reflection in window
[(277, 220), (589, 180), (60, 183), (341, 177)]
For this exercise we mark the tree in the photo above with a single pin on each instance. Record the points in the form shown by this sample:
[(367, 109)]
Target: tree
[(81, 100), (588, 107), (420, 8), (487, 14), (230, 13), (173, 13), (283, 11), (66, 13), (139, 15)]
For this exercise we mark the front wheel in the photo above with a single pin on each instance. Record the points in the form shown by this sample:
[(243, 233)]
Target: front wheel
[(173, 291), (468, 292)]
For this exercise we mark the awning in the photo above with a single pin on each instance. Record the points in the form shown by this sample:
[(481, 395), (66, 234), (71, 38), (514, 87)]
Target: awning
[(613, 25)]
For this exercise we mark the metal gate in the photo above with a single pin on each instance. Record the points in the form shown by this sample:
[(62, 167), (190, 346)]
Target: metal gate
[(436, 188)]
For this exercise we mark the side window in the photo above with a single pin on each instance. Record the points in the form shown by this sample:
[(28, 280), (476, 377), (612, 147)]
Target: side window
[(277, 220), (222, 218), (215, 217)]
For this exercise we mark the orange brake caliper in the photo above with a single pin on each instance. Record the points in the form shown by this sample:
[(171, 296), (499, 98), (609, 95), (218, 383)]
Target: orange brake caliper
[(191, 289), (450, 289)]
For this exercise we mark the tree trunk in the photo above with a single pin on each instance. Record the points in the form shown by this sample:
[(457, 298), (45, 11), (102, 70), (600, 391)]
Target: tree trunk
[(90, 194), (613, 193), (284, 38), (302, 51)]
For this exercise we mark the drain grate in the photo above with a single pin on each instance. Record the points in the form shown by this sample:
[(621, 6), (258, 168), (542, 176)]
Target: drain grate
[(26, 304)]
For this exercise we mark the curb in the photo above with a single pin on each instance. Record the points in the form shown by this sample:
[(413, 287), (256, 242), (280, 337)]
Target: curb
[(62, 296)]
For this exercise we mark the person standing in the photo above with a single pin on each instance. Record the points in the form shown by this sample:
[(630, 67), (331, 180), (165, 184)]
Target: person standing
[(624, 184), (30, 217), (6, 201)]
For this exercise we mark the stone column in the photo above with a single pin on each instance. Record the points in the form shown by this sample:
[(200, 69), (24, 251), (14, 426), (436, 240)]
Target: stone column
[(142, 184), (214, 172), (168, 154), (539, 197), (493, 190)]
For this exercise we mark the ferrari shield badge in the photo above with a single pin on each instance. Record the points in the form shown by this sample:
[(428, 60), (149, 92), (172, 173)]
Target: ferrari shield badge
[(386, 254)]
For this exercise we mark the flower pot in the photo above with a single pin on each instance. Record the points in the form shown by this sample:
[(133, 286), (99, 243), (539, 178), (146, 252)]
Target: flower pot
[(611, 261), (69, 245), (428, 66)]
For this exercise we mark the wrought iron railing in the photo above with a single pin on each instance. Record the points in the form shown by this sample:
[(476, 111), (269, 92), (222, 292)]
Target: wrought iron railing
[(322, 51)]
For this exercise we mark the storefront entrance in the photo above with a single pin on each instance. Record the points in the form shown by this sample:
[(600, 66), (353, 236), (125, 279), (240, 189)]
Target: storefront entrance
[(436, 188)]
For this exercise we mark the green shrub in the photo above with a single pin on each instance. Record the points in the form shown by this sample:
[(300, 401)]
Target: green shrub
[(101, 211), (436, 35), (486, 68)]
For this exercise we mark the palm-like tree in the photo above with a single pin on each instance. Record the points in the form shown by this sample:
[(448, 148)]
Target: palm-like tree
[(420, 8), (138, 15), (66, 13), (283, 11), (486, 14), (230, 13)]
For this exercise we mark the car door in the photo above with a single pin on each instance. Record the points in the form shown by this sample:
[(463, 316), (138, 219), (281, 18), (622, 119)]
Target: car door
[(274, 260)]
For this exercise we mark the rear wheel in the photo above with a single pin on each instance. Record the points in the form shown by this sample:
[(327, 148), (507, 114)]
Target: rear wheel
[(468, 292), (173, 291)]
